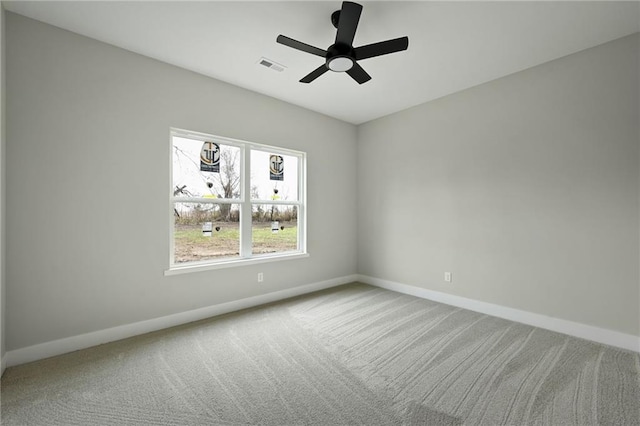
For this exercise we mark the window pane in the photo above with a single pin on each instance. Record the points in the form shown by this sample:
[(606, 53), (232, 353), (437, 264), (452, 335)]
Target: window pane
[(212, 172), (206, 231), (273, 178), (274, 228)]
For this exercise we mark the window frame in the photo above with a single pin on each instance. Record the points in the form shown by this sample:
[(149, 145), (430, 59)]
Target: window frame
[(245, 203)]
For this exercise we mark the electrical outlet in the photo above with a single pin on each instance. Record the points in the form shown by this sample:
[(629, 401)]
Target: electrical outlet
[(447, 277), (260, 277)]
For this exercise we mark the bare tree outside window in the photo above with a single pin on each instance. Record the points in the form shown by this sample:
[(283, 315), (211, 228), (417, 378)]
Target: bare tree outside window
[(229, 180)]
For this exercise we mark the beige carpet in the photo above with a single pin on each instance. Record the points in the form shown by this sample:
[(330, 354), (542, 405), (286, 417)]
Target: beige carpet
[(351, 355)]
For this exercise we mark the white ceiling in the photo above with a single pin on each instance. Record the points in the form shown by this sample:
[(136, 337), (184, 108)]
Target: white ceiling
[(452, 45)]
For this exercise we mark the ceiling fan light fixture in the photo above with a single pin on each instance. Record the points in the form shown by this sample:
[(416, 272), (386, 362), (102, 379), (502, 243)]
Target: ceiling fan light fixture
[(340, 64)]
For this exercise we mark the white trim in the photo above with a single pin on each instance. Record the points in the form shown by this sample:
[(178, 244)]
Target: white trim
[(74, 343), (171, 206), (256, 259), (583, 331), (276, 202), (203, 200)]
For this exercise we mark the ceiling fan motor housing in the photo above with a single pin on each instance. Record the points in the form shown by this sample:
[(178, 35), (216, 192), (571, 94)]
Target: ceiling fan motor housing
[(335, 18)]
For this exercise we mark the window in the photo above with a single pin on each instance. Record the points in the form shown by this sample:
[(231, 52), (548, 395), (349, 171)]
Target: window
[(234, 202)]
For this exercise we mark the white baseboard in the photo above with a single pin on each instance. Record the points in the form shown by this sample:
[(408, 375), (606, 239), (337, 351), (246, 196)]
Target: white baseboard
[(83, 341), (583, 331)]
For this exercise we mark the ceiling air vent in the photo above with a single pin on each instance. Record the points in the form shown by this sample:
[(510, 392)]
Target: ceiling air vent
[(271, 64)]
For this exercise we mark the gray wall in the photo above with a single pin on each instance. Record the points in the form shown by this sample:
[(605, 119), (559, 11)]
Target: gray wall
[(88, 181), (525, 188)]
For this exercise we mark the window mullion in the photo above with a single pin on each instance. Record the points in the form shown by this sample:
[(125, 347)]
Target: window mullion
[(245, 211), (197, 200)]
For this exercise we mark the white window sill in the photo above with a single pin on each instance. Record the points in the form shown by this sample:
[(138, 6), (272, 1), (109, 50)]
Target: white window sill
[(198, 267)]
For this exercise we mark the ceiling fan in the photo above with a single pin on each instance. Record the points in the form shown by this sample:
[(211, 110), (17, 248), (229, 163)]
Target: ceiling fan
[(342, 56)]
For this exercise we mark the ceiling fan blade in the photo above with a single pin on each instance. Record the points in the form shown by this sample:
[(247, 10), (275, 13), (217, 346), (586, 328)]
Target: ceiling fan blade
[(314, 74), (381, 48), (359, 74), (348, 22), (301, 46)]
